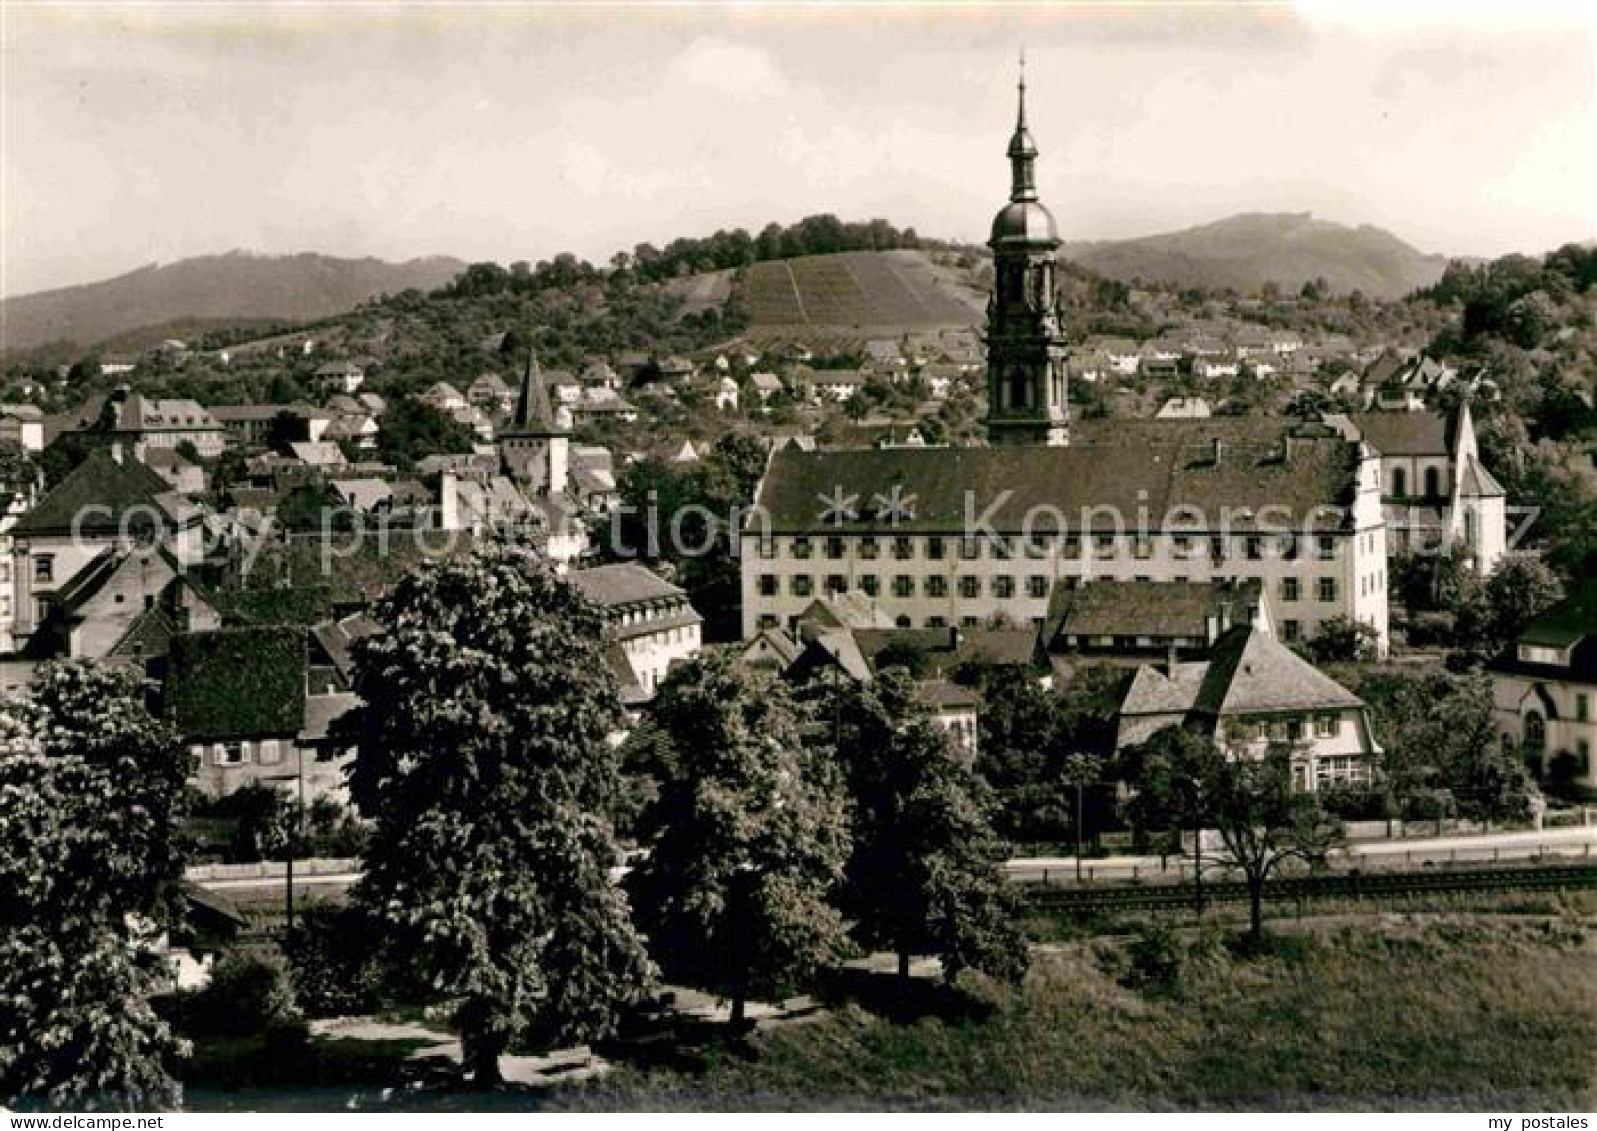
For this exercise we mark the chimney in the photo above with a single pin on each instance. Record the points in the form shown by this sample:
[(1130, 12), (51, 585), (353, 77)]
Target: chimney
[(1286, 448), (116, 451), (1170, 661), (1211, 625), (1218, 446)]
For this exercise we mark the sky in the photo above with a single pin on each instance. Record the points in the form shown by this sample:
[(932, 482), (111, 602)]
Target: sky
[(132, 134)]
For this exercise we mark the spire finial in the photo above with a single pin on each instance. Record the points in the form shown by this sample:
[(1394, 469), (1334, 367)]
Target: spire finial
[(1020, 120)]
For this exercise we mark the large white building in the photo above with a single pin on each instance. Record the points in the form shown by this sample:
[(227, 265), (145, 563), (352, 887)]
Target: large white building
[(957, 537)]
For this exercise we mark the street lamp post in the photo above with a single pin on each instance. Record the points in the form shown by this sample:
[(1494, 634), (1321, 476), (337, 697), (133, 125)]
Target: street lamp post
[(297, 830), (1081, 770)]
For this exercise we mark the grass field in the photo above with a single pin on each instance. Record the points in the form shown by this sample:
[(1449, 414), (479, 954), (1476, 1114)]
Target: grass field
[(893, 289), (1459, 1015)]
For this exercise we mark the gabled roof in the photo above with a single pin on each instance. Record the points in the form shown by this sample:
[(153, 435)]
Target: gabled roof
[(852, 609), (622, 583), (1251, 673), (1420, 433), (1157, 609), (104, 496), (1313, 486)]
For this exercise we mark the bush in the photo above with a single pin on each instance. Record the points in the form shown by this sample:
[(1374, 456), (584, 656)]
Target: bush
[(1353, 802), (330, 963), (247, 995)]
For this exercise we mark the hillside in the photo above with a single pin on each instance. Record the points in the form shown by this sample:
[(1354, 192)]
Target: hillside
[(238, 287), (1247, 251), (858, 291)]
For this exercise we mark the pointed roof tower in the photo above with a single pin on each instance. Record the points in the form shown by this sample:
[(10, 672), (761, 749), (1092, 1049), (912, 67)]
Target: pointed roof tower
[(533, 414)]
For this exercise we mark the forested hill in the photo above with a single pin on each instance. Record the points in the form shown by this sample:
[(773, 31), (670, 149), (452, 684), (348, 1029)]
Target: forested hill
[(238, 287), (1249, 251)]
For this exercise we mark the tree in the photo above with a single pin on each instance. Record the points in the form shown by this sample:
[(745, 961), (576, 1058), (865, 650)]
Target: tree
[(1026, 729), (1344, 639), (925, 871), (90, 790), (1491, 615), (483, 759), (1441, 749), (747, 839), (1170, 772), (1262, 821)]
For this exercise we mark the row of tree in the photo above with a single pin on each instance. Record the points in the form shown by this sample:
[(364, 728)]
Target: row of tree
[(773, 847)]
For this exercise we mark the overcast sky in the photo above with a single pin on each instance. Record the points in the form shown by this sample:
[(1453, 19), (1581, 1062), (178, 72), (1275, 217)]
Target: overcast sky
[(136, 135)]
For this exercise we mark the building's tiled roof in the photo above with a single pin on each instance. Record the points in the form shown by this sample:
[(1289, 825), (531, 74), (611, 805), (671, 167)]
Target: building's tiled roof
[(103, 496), (319, 453), (1158, 609), (852, 609), (1567, 621), (237, 683), (1251, 673), (942, 486), (945, 650), (622, 583), (945, 695), (1420, 433)]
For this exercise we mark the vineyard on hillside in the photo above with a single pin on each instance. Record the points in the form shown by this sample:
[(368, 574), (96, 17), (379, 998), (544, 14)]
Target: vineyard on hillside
[(860, 290)]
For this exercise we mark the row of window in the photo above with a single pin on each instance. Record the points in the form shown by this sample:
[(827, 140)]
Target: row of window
[(265, 752), (904, 586), (1289, 728), (1292, 589), (1252, 547)]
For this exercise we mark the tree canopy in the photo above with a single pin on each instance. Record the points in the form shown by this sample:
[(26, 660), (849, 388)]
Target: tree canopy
[(483, 759), (925, 872), (747, 839), (90, 790)]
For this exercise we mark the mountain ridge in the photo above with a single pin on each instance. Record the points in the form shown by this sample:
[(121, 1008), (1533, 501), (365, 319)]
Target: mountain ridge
[(1247, 250), (234, 286)]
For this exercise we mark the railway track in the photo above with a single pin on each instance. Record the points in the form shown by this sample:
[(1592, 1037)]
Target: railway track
[(1347, 885)]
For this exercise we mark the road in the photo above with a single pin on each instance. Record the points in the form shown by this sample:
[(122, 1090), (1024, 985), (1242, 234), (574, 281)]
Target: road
[(1368, 855), (1475, 849)]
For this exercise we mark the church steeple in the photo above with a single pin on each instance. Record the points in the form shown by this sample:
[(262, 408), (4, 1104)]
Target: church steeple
[(1022, 150), (1027, 397), (535, 447)]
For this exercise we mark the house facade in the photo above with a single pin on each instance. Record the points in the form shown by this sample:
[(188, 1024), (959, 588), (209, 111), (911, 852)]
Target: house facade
[(1252, 694), (1544, 692), (649, 625)]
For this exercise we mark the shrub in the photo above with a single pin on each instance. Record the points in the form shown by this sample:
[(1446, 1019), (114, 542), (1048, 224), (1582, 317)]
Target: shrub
[(247, 995), (330, 963)]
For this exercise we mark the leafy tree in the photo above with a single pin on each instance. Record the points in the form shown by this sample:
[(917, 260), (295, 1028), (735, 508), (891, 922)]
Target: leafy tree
[(749, 837), (1344, 640), (284, 429), (925, 872), (1262, 821), (1492, 614), (1027, 731), (1170, 774), (1441, 749), (411, 430), (90, 789), (483, 759)]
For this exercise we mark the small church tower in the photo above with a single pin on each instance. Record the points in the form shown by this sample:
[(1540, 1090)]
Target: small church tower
[(535, 448), (1027, 397)]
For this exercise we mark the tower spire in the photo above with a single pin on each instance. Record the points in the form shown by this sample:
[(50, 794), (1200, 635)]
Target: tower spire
[(1022, 150)]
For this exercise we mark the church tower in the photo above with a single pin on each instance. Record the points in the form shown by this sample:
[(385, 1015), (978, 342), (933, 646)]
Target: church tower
[(534, 448), (1027, 398)]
